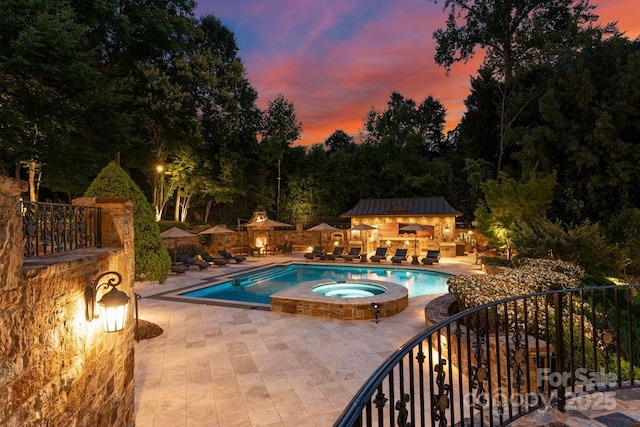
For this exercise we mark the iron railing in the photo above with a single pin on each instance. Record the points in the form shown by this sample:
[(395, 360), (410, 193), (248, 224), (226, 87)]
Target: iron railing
[(53, 227), (493, 364)]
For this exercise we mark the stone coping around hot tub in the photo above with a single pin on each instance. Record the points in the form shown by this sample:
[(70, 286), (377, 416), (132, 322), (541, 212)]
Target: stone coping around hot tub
[(301, 299)]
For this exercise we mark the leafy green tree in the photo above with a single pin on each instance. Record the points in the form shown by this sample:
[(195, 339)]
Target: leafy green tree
[(587, 130), (407, 126), (583, 244), (47, 86), (152, 258), (510, 203), (513, 35), (229, 118), (339, 140), (623, 230), (280, 128)]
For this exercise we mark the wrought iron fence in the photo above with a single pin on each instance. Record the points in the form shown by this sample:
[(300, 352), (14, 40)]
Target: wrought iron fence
[(493, 364), (52, 227)]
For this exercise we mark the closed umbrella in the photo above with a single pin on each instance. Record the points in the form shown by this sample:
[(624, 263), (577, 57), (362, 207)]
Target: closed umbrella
[(415, 228)]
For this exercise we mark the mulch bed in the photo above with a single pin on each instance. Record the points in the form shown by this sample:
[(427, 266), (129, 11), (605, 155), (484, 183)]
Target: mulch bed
[(147, 330)]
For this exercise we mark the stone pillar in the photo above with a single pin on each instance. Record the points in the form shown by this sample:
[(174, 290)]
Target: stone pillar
[(117, 227), (11, 252)]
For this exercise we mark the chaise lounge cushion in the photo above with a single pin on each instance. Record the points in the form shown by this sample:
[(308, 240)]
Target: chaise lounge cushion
[(316, 252), (192, 262), (381, 254), (399, 256), (227, 256), (179, 269), (432, 256), (353, 253), (337, 253)]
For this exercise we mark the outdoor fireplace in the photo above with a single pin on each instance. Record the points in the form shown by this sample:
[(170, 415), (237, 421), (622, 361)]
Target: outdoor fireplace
[(261, 241)]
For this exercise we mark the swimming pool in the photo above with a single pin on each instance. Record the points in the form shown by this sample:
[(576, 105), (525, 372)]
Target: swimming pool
[(258, 286)]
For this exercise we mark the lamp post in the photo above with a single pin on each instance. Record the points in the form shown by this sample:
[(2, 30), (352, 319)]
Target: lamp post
[(158, 192)]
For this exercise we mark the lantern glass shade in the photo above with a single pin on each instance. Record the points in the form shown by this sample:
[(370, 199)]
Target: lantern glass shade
[(113, 308)]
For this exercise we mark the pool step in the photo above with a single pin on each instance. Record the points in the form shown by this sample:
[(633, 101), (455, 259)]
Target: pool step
[(251, 278)]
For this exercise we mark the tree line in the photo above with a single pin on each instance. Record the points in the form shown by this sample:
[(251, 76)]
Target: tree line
[(550, 130)]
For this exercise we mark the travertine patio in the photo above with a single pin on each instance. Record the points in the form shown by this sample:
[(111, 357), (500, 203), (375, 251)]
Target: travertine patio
[(222, 366)]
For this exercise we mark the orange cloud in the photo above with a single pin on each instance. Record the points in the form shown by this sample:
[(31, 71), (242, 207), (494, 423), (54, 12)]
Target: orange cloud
[(335, 61)]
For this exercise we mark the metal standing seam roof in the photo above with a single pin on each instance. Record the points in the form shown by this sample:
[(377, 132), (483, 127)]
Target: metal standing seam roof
[(402, 207)]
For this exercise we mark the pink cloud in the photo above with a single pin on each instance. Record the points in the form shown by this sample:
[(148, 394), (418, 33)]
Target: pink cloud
[(334, 61)]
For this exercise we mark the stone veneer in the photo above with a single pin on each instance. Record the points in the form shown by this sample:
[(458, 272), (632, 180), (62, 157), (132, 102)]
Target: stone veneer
[(57, 369), (301, 299), (437, 311)]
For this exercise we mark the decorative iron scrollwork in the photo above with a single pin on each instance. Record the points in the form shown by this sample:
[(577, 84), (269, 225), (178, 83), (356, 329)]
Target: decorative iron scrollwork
[(517, 358), (53, 227), (403, 413), (380, 400), (29, 229), (441, 400), (479, 372)]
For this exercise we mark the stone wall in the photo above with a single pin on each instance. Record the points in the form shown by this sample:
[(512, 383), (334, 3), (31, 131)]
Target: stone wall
[(495, 362), (57, 369)]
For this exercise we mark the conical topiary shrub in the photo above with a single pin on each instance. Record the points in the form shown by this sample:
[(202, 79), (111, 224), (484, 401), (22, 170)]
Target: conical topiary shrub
[(152, 258)]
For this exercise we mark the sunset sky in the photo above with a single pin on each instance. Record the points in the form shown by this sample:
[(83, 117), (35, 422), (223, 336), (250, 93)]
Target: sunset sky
[(335, 60)]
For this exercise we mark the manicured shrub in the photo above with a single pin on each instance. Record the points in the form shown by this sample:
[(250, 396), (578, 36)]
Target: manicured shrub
[(152, 259), (584, 245), (624, 231)]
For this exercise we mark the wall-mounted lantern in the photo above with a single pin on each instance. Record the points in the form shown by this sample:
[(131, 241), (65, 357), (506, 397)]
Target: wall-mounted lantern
[(113, 305)]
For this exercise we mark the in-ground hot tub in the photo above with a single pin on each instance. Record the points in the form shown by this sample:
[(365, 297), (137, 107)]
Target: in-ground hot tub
[(344, 300), (344, 289)]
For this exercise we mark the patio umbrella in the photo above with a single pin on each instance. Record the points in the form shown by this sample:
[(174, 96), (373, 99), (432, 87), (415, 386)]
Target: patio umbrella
[(362, 227), (175, 233), (415, 228), (322, 227), (267, 223), (216, 231)]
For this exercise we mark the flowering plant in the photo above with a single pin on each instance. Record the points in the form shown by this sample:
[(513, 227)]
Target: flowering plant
[(530, 276)]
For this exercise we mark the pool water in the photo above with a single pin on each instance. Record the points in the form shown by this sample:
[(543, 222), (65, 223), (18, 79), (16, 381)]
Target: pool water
[(258, 286), (349, 290)]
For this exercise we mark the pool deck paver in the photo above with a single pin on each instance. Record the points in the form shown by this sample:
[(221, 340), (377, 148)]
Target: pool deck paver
[(223, 366)]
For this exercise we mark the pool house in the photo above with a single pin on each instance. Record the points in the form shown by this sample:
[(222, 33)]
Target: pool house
[(394, 225)]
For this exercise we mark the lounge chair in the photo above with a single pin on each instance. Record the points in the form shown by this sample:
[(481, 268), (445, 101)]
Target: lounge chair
[(227, 255), (353, 254), (285, 248), (399, 256), (220, 262), (432, 256), (381, 254), (179, 269), (316, 252), (337, 253), (192, 262)]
